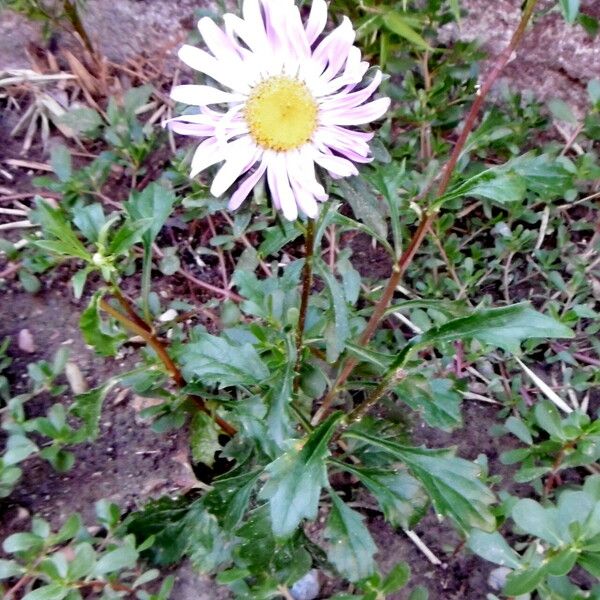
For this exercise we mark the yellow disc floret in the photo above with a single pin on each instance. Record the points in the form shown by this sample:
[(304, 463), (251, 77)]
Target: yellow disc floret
[(281, 114)]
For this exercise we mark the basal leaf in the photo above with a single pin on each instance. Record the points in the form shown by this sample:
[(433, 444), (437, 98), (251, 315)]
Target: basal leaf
[(400, 496), (505, 327), (351, 547), (436, 398), (204, 439), (296, 479), (452, 483), (365, 204), (216, 360)]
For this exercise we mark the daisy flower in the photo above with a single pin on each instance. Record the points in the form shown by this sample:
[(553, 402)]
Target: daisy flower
[(288, 100)]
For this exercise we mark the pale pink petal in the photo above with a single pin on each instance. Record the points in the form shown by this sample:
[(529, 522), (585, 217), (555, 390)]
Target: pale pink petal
[(217, 41), (343, 100), (203, 95), (246, 187), (317, 20), (333, 51), (336, 165), (238, 158), (191, 129)]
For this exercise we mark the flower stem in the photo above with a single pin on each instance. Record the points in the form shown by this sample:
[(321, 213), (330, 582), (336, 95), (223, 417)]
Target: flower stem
[(150, 338), (428, 217), (309, 244)]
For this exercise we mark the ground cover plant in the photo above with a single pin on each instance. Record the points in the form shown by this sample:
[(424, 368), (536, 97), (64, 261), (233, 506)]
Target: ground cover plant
[(460, 265)]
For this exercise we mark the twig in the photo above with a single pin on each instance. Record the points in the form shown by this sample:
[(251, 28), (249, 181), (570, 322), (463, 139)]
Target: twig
[(428, 217), (163, 355), (416, 540)]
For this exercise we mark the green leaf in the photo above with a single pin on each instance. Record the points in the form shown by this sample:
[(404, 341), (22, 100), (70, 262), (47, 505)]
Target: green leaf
[(396, 579), (351, 547), (452, 483), (548, 418), (54, 223), (436, 398), (296, 479), (30, 282), (419, 593), (493, 547), (336, 342), (365, 204), (505, 327), (593, 88), (88, 407), (54, 591), (129, 234), (60, 161), (18, 448), (398, 25), (519, 429), (9, 568), (229, 498), (22, 542), (89, 220), (204, 439), (216, 360), (523, 582), (570, 9), (117, 560), (400, 495), (155, 202), (93, 330), (502, 188), (280, 396), (536, 520), (82, 120), (562, 111)]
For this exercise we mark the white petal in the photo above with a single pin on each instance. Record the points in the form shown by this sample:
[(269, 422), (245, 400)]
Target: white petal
[(207, 154), (302, 170), (239, 155), (317, 20), (223, 72), (203, 95), (280, 187), (356, 116), (246, 187)]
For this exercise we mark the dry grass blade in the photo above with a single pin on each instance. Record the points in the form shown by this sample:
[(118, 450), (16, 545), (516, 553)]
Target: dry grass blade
[(545, 388)]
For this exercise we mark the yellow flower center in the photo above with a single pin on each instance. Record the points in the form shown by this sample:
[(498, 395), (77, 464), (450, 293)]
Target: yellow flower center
[(281, 114)]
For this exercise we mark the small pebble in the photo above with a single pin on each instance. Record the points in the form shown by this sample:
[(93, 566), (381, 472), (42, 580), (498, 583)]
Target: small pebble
[(497, 578), (75, 378), (25, 341), (308, 587)]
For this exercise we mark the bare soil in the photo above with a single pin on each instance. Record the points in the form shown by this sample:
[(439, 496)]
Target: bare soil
[(130, 464)]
